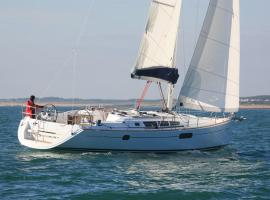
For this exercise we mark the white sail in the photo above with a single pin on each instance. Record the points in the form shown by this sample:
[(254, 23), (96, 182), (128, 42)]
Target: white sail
[(212, 81), (156, 60)]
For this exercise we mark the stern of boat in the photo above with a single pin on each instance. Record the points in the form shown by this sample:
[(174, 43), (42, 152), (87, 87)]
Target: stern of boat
[(39, 134)]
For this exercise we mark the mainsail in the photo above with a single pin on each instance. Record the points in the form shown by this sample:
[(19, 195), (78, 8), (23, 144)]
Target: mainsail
[(212, 81), (156, 60)]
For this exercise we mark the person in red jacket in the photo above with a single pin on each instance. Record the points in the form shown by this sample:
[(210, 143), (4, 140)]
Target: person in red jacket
[(31, 107)]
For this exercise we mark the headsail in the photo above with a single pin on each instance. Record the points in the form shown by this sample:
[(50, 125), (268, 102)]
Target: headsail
[(156, 60), (212, 81)]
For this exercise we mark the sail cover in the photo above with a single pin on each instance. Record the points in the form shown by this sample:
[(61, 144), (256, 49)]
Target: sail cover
[(212, 81), (156, 60)]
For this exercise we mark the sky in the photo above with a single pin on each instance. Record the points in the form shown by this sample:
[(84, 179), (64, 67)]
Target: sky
[(86, 48)]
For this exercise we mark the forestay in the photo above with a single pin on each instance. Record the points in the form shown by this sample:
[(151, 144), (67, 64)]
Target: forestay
[(212, 81), (156, 60)]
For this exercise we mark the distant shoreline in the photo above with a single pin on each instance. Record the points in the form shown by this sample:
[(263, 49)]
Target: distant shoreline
[(57, 104), (128, 104), (254, 106)]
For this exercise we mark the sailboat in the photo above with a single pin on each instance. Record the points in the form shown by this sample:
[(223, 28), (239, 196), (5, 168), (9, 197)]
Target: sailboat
[(211, 86)]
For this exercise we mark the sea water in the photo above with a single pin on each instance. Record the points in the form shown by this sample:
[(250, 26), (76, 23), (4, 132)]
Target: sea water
[(238, 171)]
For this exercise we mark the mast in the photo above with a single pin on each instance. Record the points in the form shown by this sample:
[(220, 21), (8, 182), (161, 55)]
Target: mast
[(170, 87), (170, 96), (156, 59)]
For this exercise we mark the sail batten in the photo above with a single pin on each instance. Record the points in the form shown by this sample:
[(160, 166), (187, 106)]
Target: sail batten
[(212, 81), (156, 59)]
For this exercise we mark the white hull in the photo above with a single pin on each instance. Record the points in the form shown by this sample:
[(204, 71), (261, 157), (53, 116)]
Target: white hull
[(113, 137), (150, 141)]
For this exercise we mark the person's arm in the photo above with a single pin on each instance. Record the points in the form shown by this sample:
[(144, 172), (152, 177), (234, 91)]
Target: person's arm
[(39, 106)]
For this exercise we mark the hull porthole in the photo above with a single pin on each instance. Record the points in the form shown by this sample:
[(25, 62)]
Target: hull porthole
[(185, 135), (126, 137)]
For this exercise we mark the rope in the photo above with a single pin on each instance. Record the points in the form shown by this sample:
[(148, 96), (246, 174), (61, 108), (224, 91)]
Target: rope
[(146, 87)]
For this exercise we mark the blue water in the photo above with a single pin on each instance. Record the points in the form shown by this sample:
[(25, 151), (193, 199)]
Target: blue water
[(238, 171)]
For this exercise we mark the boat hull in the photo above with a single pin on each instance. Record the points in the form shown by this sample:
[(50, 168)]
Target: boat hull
[(152, 140), (39, 134)]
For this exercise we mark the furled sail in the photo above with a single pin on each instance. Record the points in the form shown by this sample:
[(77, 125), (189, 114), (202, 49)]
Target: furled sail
[(156, 60), (212, 81)]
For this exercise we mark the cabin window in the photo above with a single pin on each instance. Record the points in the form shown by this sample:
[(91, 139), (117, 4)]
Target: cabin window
[(150, 124), (175, 123), (99, 122), (164, 123), (137, 124), (185, 135)]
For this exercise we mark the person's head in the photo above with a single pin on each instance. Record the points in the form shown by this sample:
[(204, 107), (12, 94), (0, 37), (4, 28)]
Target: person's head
[(32, 98)]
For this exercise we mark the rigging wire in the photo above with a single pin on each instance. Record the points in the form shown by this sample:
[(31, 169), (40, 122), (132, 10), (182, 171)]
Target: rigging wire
[(71, 58), (75, 49), (162, 96), (59, 70)]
